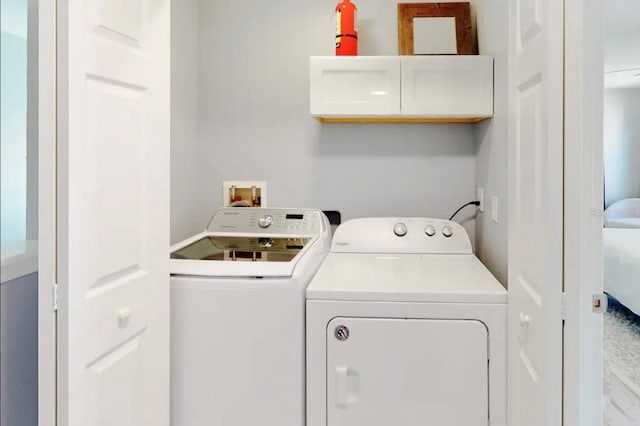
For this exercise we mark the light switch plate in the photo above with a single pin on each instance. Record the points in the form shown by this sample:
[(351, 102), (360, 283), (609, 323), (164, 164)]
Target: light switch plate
[(494, 209)]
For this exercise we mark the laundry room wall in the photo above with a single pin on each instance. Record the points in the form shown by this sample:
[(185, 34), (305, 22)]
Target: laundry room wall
[(492, 140), (254, 122), (184, 120)]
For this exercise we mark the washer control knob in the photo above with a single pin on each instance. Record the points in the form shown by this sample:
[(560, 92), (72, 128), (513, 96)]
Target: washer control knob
[(400, 229), (430, 231), (265, 222), (447, 231)]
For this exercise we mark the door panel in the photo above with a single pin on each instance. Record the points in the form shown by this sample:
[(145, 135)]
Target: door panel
[(405, 372), (583, 108), (113, 69), (535, 212)]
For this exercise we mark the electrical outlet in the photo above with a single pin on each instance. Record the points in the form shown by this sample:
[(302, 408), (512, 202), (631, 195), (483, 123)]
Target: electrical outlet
[(481, 199), (494, 209), (244, 193)]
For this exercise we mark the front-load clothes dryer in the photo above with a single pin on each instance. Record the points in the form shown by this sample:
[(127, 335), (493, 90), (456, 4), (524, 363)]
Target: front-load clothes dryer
[(237, 317), (405, 326)]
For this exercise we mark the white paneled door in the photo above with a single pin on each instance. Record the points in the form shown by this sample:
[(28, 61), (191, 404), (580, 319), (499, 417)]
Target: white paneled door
[(113, 212), (535, 212)]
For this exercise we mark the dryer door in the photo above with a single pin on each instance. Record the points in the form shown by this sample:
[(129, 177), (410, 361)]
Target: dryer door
[(407, 372)]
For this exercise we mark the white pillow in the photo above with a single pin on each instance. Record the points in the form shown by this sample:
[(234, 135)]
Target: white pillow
[(623, 209)]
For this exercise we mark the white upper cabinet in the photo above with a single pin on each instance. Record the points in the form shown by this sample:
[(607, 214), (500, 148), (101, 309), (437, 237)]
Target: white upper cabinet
[(402, 88), (364, 86), (447, 86)]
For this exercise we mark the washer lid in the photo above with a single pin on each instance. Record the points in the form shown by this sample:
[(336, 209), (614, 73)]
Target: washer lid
[(457, 278), (248, 242), (227, 255), (213, 248)]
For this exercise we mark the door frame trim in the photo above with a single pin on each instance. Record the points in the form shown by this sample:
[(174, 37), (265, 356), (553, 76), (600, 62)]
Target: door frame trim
[(47, 176), (583, 204)]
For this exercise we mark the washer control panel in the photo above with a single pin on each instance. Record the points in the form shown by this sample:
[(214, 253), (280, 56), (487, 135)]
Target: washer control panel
[(401, 235), (400, 229), (271, 221)]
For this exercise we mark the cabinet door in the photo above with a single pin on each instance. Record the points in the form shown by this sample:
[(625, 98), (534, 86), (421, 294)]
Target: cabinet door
[(355, 86), (407, 372), (447, 86)]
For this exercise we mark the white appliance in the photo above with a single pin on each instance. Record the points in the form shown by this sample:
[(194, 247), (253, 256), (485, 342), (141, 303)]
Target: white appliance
[(405, 326), (237, 317)]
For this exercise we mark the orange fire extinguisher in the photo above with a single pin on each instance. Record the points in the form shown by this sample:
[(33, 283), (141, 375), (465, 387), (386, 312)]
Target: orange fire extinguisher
[(346, 34)]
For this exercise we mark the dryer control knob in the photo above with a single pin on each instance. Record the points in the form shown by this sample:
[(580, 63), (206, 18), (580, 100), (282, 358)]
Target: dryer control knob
[(400, 229), (430, 231), (265, 222), (447, 231)]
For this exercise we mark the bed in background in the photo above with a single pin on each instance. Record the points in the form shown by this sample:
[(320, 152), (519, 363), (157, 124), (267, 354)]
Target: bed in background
[(622, 266), (623, 214)]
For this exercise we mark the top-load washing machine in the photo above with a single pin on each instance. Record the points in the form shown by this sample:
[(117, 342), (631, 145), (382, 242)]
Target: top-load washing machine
[(406, 327), (237, 317)]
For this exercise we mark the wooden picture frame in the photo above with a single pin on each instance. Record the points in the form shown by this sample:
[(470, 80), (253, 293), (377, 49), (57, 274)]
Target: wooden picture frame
[(461, 12)]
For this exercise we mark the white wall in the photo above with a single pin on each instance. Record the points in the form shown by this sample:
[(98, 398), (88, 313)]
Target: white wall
[(621, 35), (254, 123), (19, 346), (621, 144), (32, 121), (13, 129), (622, 51), (13, 17), (492, 140), (19, 119), (184, 116)]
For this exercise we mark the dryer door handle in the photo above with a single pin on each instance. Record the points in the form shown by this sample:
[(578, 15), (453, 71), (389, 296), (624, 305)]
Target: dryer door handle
[(342, 372)]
